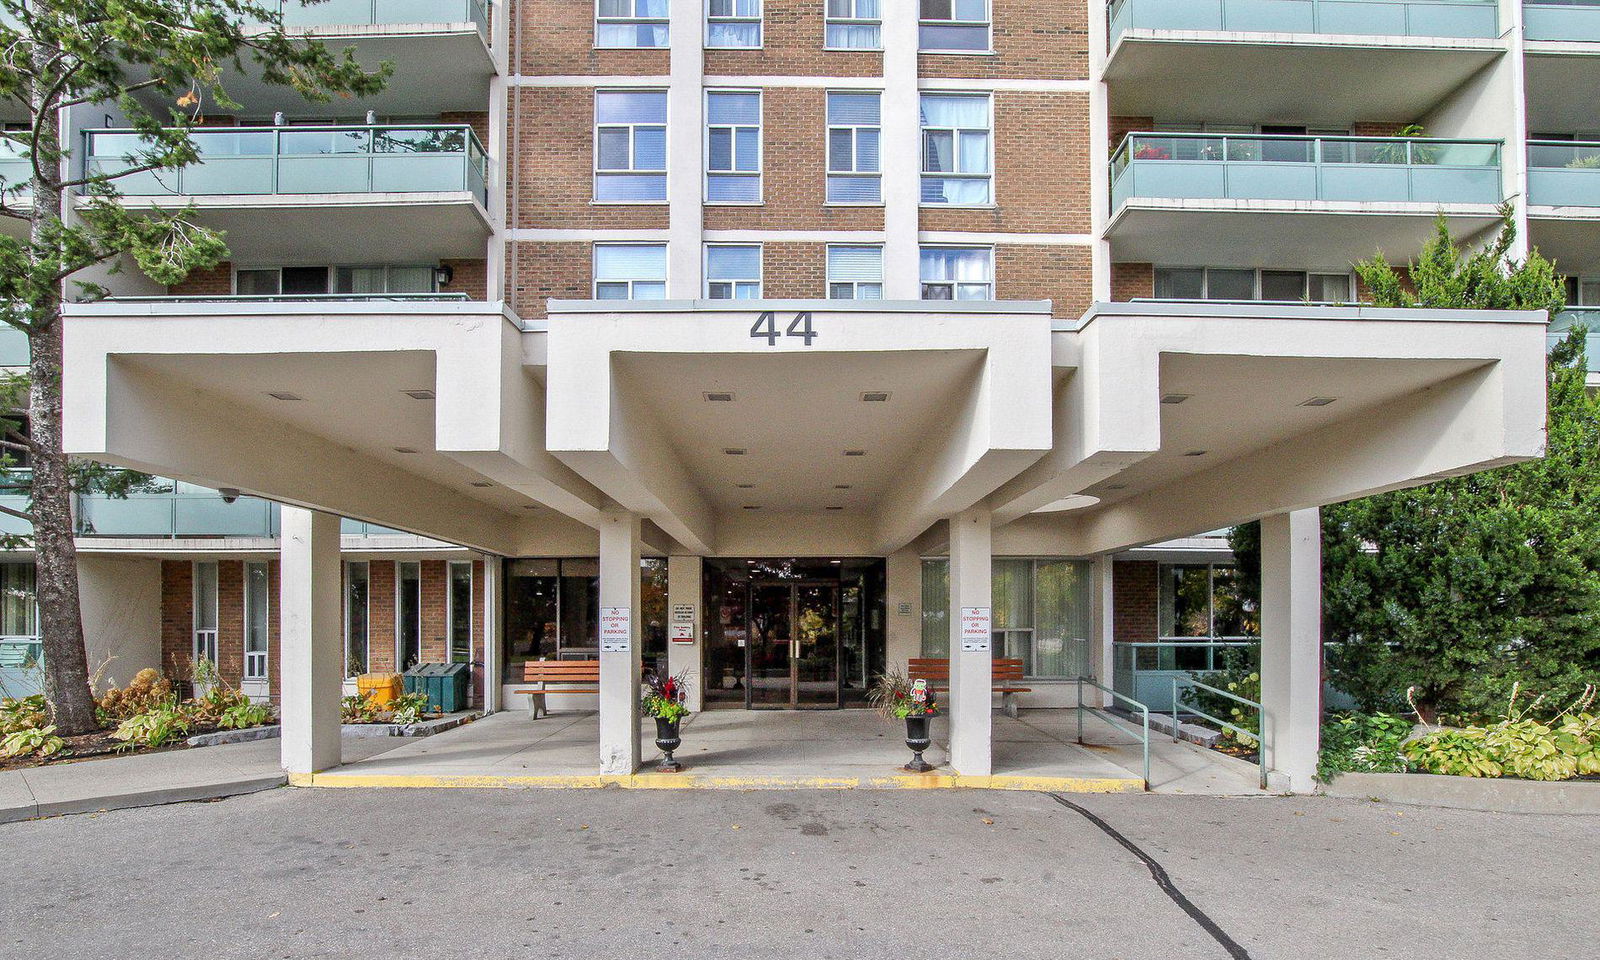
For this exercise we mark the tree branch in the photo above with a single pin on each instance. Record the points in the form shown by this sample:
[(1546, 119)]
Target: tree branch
[(12, 512)]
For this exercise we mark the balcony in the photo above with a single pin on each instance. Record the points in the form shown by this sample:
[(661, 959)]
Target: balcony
[(358, 14), (171, 509), (292, 194), (1573, 21), (1320, 61), (14, 169), (1589, 319), (1330, 198), (1564, 203)]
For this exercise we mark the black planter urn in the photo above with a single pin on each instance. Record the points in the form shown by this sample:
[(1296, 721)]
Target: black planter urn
[(918, 739), (667, 740)]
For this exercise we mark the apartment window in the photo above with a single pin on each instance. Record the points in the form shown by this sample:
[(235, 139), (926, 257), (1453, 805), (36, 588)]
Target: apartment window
[(956, 145), (630, 146), (957, 273), (19, 603), (357, 617), (733, 271), (630, 271), (854, 171), (257, 599), (733, 23), (322, 280), (460, 613), (854, 25), (733, 147), (855, 272), (630, 23), (1219, 283), (205, 611), (408, 614), (1204, 601), (1040, 613), (961, 25)]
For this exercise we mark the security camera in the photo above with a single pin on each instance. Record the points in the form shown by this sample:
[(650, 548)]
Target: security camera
[(229, 494)]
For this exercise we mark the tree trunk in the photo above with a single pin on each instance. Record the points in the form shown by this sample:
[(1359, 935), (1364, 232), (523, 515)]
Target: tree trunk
[(66, 667)]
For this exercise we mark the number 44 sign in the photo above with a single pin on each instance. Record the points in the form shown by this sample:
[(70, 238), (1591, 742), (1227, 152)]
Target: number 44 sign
[(766, 328)]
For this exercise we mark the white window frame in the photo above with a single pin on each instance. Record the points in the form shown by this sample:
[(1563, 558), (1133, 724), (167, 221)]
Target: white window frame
[(761, 268), (987, 23), (399, 586), (955, 152), (855, 285), (761, 150), (255, 661), (599, 173), (594, 273), (828, 19), (955, 246), (634, 20), (827, 151), (759, 20), (349, 566), (203, 644)]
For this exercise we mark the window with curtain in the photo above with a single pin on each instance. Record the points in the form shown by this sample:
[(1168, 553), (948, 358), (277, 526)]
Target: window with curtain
[(955, 149), (854, 171), (733, 23), (733, 146), (630, 146), (19, 603), (855, 272), (1040, 612), (257, 600), (733, 271), (854, 25), (961, 25), (627, 24), (936, 607), (957, 273), (630, 271), (205, 610), (357, 591)]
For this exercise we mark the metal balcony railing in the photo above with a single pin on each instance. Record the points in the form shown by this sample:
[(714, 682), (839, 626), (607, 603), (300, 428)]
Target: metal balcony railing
[(260, 161), (1383, 18), (343, 13), (1563, 173), (1200, 166), (1562, 20), (1588, 318), (294, 298)]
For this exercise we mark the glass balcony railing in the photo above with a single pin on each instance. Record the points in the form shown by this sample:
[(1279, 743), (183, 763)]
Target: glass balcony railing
[(1562, 20), (257, 161), (1586, 317), (343, 13), (1384, 18), (171, 509), (1197, 166), (1563, 173)]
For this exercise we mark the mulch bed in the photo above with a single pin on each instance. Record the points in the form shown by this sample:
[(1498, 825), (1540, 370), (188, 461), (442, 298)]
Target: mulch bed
[(92, 746)]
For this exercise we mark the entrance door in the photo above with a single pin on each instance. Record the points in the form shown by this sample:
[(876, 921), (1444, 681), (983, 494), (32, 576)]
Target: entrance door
[(793, 650)]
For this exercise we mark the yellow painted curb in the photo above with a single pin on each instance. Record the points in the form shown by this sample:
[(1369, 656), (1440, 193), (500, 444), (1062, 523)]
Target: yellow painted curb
[(691, 781)]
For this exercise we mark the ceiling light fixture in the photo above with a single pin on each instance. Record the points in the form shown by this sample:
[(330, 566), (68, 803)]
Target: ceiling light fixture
[(482, 483), (831, 507), (751, 506), (1318, 401), (855, 453), (418, 394), (718, 396), (1194, 453), (841, 486), (284, 395), (1172, 399), (1116, 486), (733, 451), (530, 506), (745, 486), (405, 449), (875, 396)]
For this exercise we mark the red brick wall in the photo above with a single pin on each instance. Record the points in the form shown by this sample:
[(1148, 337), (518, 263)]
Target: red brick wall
[(435, 603), (1041, 180), (794, 172), (1376, 128), (478, 119), (215, 282), (555, 156), (230, 620), (557, 39), (794, 270), (177, 617), (546, 270), (791, 37), (1122, 126), (1045, 272), (1132, 280), (1040, 41), (1134, 598), (471, 277), (380, 616)]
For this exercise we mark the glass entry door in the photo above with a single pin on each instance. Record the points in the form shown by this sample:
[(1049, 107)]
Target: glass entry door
[(792, 658)]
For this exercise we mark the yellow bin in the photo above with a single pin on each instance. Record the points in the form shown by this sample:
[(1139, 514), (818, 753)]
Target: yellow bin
[(380, 688)]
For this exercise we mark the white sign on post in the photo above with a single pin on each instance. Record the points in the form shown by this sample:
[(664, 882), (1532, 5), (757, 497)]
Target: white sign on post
[(975, 631), (616, 629)]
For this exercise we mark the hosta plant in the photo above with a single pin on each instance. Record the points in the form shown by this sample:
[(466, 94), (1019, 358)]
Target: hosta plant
[(154, 728), (244, 714), (1456, 753), (358, 709), (408, 708), (35, 741), (22, 713)]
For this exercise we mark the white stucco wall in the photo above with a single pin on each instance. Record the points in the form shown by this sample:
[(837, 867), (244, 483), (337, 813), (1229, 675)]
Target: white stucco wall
[(121, 603)]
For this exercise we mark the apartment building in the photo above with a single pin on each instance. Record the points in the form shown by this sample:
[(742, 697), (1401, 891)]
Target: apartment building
[(783, 341)]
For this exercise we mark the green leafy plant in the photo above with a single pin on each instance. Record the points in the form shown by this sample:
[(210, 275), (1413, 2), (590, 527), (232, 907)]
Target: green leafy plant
[(242, 715), (1239, 677), (1456, 753), (663, 697), (148, 690), (1517, 745), (358, 708), (408, 708), (155, 728), (36, 741), (24, 713), (895, 697), (210, 707), (1364, 743)]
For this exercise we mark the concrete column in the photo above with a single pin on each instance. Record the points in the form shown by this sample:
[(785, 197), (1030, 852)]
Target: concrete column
[(901, 152), (971, 671), (1102, 649), (684, 588), (493, 633), (619, 668), (312, 641), (685, 148), (1291, 645)]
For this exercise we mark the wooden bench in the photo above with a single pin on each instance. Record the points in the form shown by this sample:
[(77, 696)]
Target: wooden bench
[(573, 676), (1007, 675)]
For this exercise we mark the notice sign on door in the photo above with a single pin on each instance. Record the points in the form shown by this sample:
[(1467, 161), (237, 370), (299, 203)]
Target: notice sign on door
[(682, 633), (616, 629), (974, 629), (683, 613)]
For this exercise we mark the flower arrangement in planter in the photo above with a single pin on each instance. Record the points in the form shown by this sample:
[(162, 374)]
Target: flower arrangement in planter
[(896, 698), (663, 698)]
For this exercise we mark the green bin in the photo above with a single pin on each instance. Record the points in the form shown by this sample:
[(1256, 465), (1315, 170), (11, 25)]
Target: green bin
[(444, 683)]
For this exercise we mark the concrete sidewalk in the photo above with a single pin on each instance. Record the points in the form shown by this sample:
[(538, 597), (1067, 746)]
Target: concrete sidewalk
[(143, 780)]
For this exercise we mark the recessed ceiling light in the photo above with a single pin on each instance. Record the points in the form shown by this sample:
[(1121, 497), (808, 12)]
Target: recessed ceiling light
[(745, 486), (718, 396), (833, 508), (855, 453), (836, 562), (733, 451), (1116, 486), (284, 395), (1318, 401), (482, 483), (1194, 453), (841, 486), (1174, 398), (530, 506), (418, 394), (875, 396), (405, 449), (751, 506)]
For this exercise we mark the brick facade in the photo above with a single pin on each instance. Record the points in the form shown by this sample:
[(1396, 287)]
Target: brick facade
[(554, 158), (556, 38), (541, 271), (214, 282), (1134, 599), (1060, 273), (470, 277), (1130, 281), (1120, 127), (1035, 41), (477, 119), (794, 270), (792, 45)]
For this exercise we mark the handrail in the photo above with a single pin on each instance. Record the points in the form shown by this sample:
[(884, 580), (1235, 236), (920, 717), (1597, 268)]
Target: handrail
[(1223, 139), (466, 128), (287, 297), (1144, 710), (1261, 719), (1585, 154)]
